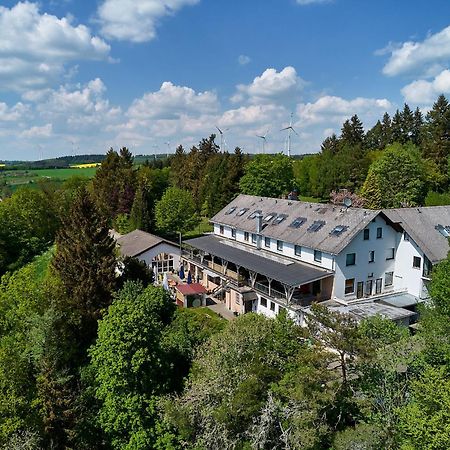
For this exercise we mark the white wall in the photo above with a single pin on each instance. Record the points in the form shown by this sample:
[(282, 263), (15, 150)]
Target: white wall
[(307, 254), (363, 268), (405, 275), (148, 255)]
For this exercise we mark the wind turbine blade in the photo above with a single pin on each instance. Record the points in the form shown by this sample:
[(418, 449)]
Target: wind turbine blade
[(284, 129), (220, 131), (295, 132)]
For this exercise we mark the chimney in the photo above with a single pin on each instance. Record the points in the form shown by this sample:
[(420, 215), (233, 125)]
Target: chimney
[(259, 219)]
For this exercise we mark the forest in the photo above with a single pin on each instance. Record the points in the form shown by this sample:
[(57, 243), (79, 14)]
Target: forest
[(90, 359)]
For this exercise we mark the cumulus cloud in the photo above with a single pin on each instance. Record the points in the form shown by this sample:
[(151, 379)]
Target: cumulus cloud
[(425, 92), (335, 110), (171, 101), (136, 20), (243, 60), (270, 86), (13, 114), (35, 47), (426, 56), (33, 132)]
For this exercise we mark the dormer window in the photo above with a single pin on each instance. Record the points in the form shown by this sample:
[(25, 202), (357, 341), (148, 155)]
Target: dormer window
[(242, 212)]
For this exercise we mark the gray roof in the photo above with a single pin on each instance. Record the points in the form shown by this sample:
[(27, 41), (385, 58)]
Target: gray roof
[(355, 219), (283, 270), (362, 311), (138, 241), (420, 224), (400, 300)]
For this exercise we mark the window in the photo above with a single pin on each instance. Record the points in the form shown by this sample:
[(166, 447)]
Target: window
[(267, 242), (233, 233), (390, 253), (316, 226), (264, 302), (317, 255), (378, 284), (280, 246), (417, 260), (360, 289), (269, 217), (372, 256), (366, 234), (379, 233), (350, 259), (254, 214), (337, 231), (298, 222), (272, 306), (254, 238), (444, 230), (231, 210), (246, 236), (279, 219), (388, 279), (350, 286), (221, 229), (369, 284), (427, 266), (298, 250), (242, 212)]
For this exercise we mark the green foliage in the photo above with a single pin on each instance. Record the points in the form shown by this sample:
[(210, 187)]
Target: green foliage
[(399, 176), (362, 437), (130, 365), (425, 421), (268, 176), (175, 212), (437, 199)]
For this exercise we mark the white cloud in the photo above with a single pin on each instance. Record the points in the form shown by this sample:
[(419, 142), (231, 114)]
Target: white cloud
[(270, 86), (335, 110), (426, 56), (136, 20), (33, 132), (14, 114), (171, 101), (35, 47), (425, 92), (243, 60)]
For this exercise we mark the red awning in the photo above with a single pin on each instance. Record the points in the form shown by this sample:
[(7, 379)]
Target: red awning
[(191, 289)]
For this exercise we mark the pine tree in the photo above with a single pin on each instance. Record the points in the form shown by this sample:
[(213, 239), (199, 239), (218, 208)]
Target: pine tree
[(141, 216), (85, 263), (396, 127), (416, 135), (374, 137), (386, 137), (352, 132), (407, 124)]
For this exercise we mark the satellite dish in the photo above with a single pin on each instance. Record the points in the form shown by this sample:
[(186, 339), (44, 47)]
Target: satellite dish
[(347, 202), (196, 303)]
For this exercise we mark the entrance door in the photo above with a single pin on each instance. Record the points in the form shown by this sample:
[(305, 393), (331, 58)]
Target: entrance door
[(360, 289), (378, 284), (369, 284)]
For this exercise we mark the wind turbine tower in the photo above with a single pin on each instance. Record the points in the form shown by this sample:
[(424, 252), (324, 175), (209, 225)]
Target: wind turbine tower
[(168, 148), (222, 138), (289, 129), (264, 140)]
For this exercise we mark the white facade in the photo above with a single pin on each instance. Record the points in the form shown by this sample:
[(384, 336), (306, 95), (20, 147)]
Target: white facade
[(161, 258)]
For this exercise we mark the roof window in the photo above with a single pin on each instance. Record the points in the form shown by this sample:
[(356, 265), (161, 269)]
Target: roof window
[(444, 230), (242, 212), (298, 222), (231, 210), (316, 226), (254, 214), (338, 230), (269, 217), (279, 219)]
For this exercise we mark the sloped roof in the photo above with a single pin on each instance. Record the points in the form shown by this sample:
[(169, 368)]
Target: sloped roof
[(355, 219), (190, 289), (138, 241), (281, 269), (420, 224)]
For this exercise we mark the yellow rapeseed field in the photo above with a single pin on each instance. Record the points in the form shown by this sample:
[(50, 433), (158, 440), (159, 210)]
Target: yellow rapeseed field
[(84, 166)]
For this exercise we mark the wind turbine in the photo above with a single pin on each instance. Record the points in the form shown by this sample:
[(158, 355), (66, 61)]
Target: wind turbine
[(289, 129), (264, 139), (222, 138), (168, 148)]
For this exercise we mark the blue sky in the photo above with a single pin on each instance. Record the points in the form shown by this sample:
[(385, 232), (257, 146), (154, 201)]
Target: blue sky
[(80, 77)]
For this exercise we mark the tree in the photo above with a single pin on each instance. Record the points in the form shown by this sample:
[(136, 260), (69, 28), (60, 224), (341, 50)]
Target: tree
[(399, 175), (268, 176), (175, 212), (140, 216), (130, 365), (85, 263)]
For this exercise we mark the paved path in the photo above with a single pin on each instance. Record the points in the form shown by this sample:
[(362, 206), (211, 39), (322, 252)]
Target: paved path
[(219, 308)]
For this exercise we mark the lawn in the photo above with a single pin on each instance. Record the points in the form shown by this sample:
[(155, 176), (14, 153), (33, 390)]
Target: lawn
[(203, 227)]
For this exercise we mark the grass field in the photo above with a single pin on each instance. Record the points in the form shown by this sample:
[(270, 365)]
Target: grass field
[(17, 178)]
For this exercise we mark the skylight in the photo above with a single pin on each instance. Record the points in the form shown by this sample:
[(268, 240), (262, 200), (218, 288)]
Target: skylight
[(444, 230), (269, 217), (231, 210), (242, 212), (338, 230), (279, 219), (298, 222), (254, 214), (316, 226)]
